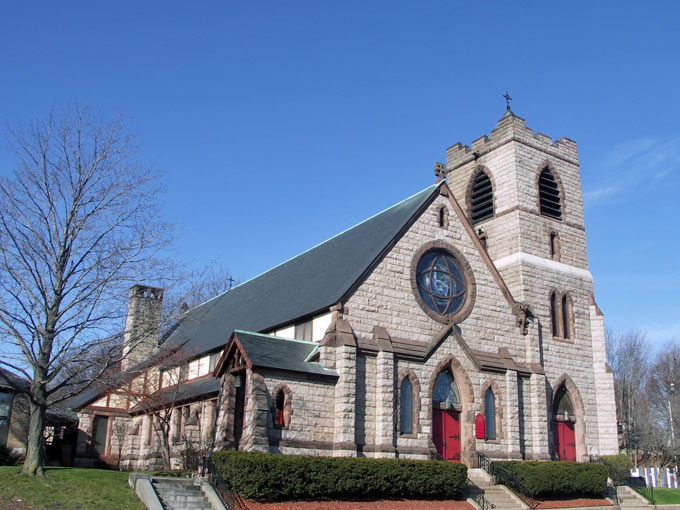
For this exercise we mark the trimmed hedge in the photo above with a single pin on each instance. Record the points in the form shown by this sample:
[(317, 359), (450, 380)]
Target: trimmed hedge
[(559, 479), (618, 466), (272, 477)]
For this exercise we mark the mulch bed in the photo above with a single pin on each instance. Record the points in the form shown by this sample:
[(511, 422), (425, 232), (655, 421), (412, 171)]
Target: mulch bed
[(574, 503), (392, 504), (416, 504)]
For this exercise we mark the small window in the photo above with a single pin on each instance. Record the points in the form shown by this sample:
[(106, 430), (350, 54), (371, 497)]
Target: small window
[(304, 331), (553, 314), (549, 195), (554, 246), (567, 316), (489, 414), (443, 217), (406, 407), (481, 198), (279, 409)]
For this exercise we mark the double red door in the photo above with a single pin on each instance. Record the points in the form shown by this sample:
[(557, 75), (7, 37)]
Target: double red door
[(565, 440), (446, 434)]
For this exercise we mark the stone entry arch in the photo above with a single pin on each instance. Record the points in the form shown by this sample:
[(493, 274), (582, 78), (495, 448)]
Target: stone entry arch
[(567, 421), (463, 411)]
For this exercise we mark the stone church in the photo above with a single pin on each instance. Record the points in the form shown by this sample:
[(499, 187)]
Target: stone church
[(460, 320)]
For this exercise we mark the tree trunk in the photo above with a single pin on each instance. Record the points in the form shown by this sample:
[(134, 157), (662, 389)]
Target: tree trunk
[(35, 452)]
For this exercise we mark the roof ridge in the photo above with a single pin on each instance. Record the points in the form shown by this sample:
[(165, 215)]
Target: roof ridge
[(274, 337), (432, 187)]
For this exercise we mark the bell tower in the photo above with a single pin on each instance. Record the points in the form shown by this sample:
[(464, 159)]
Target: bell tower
[(522, 192)]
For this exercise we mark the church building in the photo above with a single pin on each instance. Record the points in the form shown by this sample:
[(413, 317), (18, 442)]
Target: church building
[(461, 320)]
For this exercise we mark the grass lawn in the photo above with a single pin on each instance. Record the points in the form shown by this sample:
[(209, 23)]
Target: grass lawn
[(666, 496), (69, 488)]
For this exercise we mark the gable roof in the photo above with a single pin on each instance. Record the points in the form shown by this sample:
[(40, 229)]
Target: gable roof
[(267, 351), (12, 381), (304, 285)]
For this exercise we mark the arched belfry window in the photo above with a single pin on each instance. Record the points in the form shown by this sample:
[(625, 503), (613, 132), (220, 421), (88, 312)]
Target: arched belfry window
[(489, 414), (445, 391), (406, 407), (481, 198), (549, 195)]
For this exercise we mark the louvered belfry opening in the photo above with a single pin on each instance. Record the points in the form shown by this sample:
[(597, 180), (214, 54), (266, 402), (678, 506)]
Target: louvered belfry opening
[(549, 194), (481, 198)]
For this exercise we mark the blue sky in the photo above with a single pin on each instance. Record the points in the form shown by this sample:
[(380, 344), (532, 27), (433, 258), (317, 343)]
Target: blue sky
[(279, 124)]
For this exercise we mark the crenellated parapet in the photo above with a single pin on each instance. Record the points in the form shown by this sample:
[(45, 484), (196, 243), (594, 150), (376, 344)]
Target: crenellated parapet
[(510, 128)]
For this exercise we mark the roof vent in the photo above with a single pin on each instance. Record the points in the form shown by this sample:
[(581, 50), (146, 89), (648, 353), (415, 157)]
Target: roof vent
[(549, 194), (481, 198)]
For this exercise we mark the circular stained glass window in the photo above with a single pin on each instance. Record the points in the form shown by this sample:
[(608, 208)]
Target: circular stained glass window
[(441, 283)]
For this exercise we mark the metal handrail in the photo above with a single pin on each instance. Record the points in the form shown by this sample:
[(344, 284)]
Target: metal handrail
[(506, 478), (230, 498), (479, 497)]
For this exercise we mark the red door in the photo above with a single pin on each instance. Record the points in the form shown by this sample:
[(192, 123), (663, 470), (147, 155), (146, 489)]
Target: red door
[(446, 434), (565, 440)]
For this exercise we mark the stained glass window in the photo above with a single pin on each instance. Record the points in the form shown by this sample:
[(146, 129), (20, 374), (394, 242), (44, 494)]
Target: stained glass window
[(406, 407), (441, 283), (445, 389)]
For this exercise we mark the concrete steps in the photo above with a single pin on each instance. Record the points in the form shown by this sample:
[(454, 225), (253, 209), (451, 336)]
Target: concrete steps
[(180, 494), (631, 500), (497, 495)]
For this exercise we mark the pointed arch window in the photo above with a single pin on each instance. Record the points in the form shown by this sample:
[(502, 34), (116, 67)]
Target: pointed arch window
[(481, 198), (406, 407), (280, 405), (489, 414), (443, 216), (445, 391), (549, 195)]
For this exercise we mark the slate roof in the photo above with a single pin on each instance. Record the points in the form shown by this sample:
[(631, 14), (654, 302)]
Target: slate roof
[(13, 381), (304, 285), (266, 351), (175, 395)]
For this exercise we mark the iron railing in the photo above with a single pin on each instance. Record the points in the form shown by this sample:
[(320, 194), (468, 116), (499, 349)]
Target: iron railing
[(505, 477), (230, 498), (477, 495)]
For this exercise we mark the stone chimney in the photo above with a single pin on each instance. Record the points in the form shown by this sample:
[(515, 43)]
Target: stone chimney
[(142, 324)]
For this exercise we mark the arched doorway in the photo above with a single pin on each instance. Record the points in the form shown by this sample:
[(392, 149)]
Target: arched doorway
[(446, 417), (564, 426)]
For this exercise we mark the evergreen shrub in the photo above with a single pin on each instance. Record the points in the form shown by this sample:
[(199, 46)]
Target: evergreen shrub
[(618, 467), (7, 458), (558, 479), (265, 476)]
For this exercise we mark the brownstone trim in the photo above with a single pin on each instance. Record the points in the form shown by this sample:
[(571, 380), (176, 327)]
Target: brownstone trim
[(493, 386), (466, 270), (546, 164), (534, 213), (467, 412), (480, 248), (468, 191), (409, 374), (579, 409), (287, 406)]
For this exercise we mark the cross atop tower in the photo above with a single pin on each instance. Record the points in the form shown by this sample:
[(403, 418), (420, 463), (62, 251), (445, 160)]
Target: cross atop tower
[(507, 100)]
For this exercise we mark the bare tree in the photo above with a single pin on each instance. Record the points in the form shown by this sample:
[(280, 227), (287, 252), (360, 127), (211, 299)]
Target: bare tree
[(79, 223), (629, 358)]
